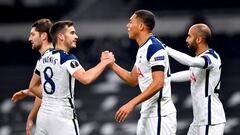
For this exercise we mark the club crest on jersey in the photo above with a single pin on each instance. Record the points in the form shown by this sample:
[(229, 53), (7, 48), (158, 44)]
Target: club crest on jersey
[(140, 74), (158, 58), (193, 78), (74, 64)]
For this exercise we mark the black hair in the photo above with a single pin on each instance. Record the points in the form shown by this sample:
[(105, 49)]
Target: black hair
[(147, 17), (59, 27)]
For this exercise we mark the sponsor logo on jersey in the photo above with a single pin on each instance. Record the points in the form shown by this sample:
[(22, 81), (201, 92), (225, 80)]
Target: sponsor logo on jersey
[(140, 74), (158, 58), (193, 78), (74, 64)]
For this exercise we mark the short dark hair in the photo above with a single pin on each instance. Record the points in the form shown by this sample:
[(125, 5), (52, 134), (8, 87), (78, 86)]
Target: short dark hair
[(147, 17), (43, 25), (59, 27)]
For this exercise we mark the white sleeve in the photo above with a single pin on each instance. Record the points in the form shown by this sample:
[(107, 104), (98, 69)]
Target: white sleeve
[(210, 61), (181, 76), (73, 65), (185, 59), (158, 58)]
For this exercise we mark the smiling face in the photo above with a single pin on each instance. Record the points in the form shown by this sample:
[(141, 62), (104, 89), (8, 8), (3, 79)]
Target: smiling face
[(70, 37), (133, 27), (35, 39)]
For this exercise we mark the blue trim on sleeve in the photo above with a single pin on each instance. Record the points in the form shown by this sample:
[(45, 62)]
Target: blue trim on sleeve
[(154, 47), (213, 53), (208, 60)]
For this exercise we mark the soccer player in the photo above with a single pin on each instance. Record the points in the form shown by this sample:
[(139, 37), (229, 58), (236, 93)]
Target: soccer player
[(41, 41), (56, 71), (152, 73), (204, 74)]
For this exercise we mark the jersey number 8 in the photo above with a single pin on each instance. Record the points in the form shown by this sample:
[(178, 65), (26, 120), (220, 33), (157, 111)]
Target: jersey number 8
[(48, 80)]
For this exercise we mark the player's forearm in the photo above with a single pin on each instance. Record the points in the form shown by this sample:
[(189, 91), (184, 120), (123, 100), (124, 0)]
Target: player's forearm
[(93, 73), (27, 92), (33, 114), (181, 76), (151, 90), (124, 75), (36, 90), (185, 59)]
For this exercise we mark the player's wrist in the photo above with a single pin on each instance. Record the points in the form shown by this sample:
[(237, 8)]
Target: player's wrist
[(25, 92)]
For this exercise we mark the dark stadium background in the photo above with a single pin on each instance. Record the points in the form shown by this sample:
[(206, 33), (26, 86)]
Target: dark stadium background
[(101, 25)]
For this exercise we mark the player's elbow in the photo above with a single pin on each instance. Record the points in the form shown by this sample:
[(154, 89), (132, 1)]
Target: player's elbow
[(31, 90), (35, 92), (87, 80), (133, 83), (84, 79), (159, 85)]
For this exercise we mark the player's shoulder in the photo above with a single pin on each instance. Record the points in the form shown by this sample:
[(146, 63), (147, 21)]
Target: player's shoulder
[(156, 43), (212, 54), (63, 56), (154, 47)]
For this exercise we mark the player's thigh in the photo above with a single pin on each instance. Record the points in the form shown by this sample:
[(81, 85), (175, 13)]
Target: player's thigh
[(166, 125), (193, 130), (60, 126), (41, 124), (217, 129), (206, 129), (140, 126)]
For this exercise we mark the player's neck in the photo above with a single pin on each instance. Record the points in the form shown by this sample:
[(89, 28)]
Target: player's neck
[(143, 38), (201, 49), (45, 47), (62, 47)]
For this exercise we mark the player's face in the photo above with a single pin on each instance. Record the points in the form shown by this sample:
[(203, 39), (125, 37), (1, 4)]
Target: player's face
[(35, 39), (133, 27), (191, 40), (70, 37)]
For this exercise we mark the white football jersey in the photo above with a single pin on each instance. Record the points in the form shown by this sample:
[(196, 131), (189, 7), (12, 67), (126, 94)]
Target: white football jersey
[(56, 68), (152, 53), (205, 85)]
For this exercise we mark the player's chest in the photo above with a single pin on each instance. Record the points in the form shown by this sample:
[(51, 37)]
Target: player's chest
[(197, 75)]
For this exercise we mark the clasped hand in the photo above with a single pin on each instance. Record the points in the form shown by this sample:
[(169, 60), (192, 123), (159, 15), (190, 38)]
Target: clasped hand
[(107, 57)]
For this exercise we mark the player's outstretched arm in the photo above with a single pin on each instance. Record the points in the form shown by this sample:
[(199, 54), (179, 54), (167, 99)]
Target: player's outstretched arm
[(32, 115), (181, 76), (21, 94), (131, 78), (185, 59), (86, 77), (152, 89)]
